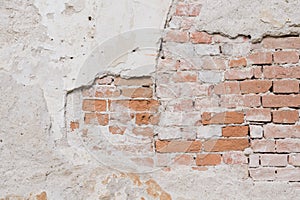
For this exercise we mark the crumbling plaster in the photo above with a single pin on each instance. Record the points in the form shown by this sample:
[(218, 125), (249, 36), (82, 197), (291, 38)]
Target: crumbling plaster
[(43, 46)]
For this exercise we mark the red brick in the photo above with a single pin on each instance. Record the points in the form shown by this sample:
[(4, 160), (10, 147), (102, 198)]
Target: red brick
[(191, 10), (260, 58), (238, 62), (146, 118), (233, 101), (294, 159), (214, 63), (235, 131), (201, 38), (258, 115), (286, 86), (285, 116), (117, 130), (185, 76), (178, 146), (277, 101), (262, 174), (142, 92), (263, 145), (281, 72), (257, 71), (232, 158), (223, 118), (286, 57), (281, 131), (288, 145), (96, 119), (219, 145), (255, 86), (281, 43), (94, 105), (208, 159), (177, 36), (239, 74), (232, 87), (273, 160)]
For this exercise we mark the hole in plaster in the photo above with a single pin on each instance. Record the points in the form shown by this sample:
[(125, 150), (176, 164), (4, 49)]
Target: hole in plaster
[(90, 18)]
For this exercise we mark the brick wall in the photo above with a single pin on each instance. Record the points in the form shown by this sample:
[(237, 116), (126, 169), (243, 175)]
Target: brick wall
[(212, 101)]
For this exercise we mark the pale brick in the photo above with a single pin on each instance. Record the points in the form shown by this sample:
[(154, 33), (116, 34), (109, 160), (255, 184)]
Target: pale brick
[(273, 160)]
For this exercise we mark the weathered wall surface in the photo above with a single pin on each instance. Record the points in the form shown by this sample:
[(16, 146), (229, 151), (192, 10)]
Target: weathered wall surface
[(66, 135)]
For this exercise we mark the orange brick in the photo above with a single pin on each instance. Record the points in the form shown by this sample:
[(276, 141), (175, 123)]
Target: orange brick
[(218, 145), (74, 125), (231, 87), (286, 86), (260, 58), (117, 130), (285, 116), (223, 118), (144, 105), (201, 38), (185, 76), (235, 131), (177, 36), (258, 115), (286, 57), (191, 10), (281, 43), (281, 72), (142, 92), (208, 159), (96, 119), (236, 157), (277, 101), (255, 86), (238, 62), (146, 118), (94, 105), (178, 146)]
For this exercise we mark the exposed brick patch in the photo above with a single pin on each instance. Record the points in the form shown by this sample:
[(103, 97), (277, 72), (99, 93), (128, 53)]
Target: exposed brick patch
[(225, 98), (208, 159)]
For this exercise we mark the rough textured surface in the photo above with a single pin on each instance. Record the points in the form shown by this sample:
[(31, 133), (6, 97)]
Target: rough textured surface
[(44, 45), (251, 18)]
